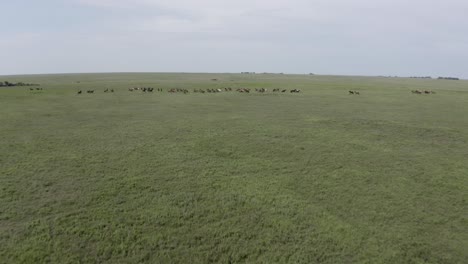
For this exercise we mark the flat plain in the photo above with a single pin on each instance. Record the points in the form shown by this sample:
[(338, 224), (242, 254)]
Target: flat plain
[(319, 176)]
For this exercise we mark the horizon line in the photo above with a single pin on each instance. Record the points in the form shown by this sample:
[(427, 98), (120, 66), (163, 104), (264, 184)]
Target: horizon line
[(244, 73)]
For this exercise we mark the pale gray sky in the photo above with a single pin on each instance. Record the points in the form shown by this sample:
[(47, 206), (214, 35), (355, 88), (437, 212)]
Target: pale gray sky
[(354, 37)]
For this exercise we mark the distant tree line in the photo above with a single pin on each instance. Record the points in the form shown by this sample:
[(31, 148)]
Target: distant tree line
[(421, 77), (9, 84), (449, 78), (247, 72)]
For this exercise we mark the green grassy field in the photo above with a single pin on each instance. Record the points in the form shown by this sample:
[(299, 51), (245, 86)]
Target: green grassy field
[(316, 177)]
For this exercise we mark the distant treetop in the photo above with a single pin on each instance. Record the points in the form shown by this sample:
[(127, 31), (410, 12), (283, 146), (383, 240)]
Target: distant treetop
[(449, 78), (10, 84)]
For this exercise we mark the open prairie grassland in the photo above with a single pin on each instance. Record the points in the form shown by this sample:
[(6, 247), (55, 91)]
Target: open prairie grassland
[(319, 176)]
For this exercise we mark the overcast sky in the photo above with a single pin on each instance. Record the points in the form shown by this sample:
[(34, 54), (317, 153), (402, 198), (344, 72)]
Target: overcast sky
[(352, 37)]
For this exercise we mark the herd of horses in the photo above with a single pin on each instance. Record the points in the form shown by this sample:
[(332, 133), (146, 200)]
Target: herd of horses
[(145, 89), (218, 90), (186, 91), (213, 90)]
